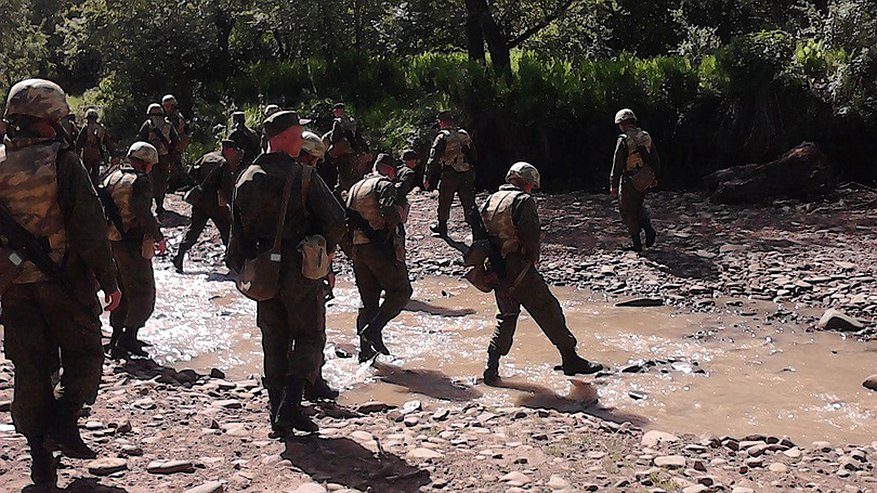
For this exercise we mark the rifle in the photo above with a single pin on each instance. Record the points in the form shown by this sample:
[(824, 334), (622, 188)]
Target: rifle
[(31, 248), (375, 237), (111, 209)]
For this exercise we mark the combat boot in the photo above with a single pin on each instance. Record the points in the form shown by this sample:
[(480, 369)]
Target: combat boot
[(636, 244), (290, 415), (651, 234), (439, 229), (64, 434), (373, 332), (573, 364), (177, 261), (491, 371), (44, 467), (320, 391), (114, 340), (366, 351)]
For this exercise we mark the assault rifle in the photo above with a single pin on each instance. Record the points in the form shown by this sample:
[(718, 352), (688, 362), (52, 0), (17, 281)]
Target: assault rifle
[(27, 245), (355, 219)]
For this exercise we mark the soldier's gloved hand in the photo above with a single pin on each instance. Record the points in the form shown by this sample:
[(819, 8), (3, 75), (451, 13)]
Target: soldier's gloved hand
[(614, 193), (161, 247), (112, 300)]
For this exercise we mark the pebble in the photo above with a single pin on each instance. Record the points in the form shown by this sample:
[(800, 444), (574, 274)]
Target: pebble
[(670, 461), (209, 487), (170, 467), (516, 477), (653, 438), (870, 383), (424, 454), (107, 466), (778, 467), (558, 483), (310, 488)]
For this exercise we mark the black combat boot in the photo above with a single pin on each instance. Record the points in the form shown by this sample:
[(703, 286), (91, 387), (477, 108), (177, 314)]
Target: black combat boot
[(373, 332), (114, 340), (64, 434), (573, 364), (439, 229), (651, 234), (366, 351), (320, 390), (177, 261), (636, 244), (290, 415), (44, 466), (491, 370)]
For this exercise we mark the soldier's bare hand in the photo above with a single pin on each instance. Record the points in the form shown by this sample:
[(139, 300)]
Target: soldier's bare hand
[(113, 300), (161, 247)]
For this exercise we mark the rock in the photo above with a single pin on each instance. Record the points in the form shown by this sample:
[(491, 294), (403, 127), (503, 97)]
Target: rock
[(145, 404), (670, 461), (107, 466), (424, 454), (653, 438), (229, 404), (441, 414), (5, 406), (742, 489), (558, 483), (697, 488), (515, 477), (411, 407), (837, 320), (132, 451), (870, 383), (310, 488), (124, 427), (641, 302), (217, 373), (209, 487), (170, 467), (373, 407), (793, 453), (778, 467)]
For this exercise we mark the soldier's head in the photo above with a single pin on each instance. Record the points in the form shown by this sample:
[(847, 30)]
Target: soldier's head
[(339, 110), (142, 156), (385, 165), (524, 176), (232, 152), (284, 130), (445, 119), (238, 118), (154, 109), (271, 109), (168, 103), (37, 106), (91, 115), (313, 150), (409, 157), (625, 118)]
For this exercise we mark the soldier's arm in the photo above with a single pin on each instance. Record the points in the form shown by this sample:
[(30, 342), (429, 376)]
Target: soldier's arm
[(433, 167), (387, 202), (655, 161), (337, 132), (526, 218), (85, 220), (141, 206), (80, 140), (235, 253), (143, 134), (226, 185), (618, 163), (328, 214), (470, 153)]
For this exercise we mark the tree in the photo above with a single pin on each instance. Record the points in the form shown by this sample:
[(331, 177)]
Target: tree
[(22, 46)]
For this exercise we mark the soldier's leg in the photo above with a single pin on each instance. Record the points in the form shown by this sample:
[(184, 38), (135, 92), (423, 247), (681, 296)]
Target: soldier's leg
[(159, 181), (447, 188), (369, 288), (120, 314), (222, 219), (467, 195), (193, 232), (141, 297), (646, 225), (307, 321), (392, 275), (508, 311), (271, 317), (630, 204)]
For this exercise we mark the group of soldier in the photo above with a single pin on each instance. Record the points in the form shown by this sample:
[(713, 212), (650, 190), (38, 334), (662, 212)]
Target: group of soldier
[(69, 232)]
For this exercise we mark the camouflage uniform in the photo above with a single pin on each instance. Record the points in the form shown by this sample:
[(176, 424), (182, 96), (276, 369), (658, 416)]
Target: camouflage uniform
[(216, 178), (160, 133), (248, 140), (47, 325), (178, 177), (292, 323), (129, 190), (626, 161), (91, 145), (346, 133), (451, 165), (378, 267)]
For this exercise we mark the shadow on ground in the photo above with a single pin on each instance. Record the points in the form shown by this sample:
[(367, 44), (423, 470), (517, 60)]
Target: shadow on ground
[(681, 264), (89, 485), (432, 383), (343, 461), (147, 369), (422, 306)]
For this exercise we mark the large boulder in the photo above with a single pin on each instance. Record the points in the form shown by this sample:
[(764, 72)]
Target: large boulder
[(802, 173)]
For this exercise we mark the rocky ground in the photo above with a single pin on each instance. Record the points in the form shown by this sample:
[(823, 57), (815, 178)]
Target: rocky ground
[(160, 430)]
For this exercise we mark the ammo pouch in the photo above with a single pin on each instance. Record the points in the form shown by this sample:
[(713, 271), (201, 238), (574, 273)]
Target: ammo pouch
[(314, 258), (10, 267)]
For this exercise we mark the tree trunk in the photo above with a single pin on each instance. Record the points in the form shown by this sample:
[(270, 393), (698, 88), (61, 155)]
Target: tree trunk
[(497, 43), (474, 36)]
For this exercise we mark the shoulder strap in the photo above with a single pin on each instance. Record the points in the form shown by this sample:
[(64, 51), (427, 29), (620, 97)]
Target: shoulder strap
[(278, 234), (306, 173)]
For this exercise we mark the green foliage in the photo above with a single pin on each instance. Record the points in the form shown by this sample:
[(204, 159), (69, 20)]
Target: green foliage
[(22, 44)]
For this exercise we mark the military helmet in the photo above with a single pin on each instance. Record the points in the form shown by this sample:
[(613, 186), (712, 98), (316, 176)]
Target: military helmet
[(143, 151), (91, 113), (154, 110), (313, 144), (38, 98), (271, 109), (624, 115), (169, 98), (526, 172)]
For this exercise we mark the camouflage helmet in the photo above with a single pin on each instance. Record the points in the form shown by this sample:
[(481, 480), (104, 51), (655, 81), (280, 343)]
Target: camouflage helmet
[(624, 115), (169, 98), (91, 113), (313, 144), (154, 110), (38, 98), (525, 172), (143, 151), (271, 109)]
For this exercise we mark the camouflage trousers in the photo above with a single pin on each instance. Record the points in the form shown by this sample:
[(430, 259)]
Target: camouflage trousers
[(378, 271), (633, 211), (533, 294), (92, 164), (46, 330), (137, 283), (463, 185), (221, 218), (158, 179)]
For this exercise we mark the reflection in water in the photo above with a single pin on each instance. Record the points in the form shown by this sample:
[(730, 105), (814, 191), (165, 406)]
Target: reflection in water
[(422, 306), (432, 383)]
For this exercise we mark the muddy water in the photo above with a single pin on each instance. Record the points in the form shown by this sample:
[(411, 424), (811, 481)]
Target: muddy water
[(723, 374)]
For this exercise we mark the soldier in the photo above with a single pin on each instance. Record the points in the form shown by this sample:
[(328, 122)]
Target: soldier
[(451, 168), (158, 131), (91, 144), (406, 180), (313, 150), (378, 254), (178, 177), (50, 313), (633, 151), (215, 173), (269, 110), (347, 147), (246, 138), (512, 224), (135, 236), (293, 321)]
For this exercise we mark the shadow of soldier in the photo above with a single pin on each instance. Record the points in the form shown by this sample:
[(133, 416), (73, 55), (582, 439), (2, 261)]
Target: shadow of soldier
[(428, 308), (432, 383), (147, 369), (682, 264), (343, 461), (79, 485)]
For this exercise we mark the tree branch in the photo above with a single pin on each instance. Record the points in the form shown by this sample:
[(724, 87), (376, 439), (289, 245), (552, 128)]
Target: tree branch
[(535, 28)]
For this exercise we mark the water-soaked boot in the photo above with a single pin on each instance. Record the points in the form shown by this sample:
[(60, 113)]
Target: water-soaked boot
[(491, 370), (573, 364), (177, 261), (373, 332), (320, 390), (290, 416), (366, 351), (44, 466), (64, 434), (439, 229), (651, 234)]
